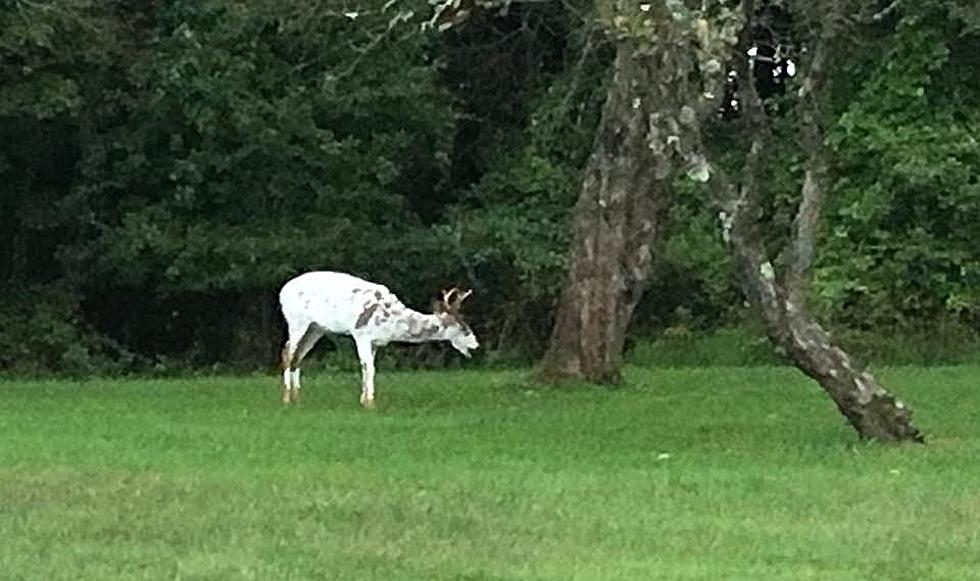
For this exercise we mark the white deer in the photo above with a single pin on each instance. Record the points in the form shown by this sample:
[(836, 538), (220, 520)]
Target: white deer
[(317, 303)]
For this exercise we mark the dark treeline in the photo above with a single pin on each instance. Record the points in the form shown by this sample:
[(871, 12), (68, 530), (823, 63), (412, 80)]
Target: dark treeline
[(165, 166)]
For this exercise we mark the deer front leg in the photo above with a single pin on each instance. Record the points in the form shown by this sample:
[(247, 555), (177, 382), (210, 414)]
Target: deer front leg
[(286, 361), (365, 352)]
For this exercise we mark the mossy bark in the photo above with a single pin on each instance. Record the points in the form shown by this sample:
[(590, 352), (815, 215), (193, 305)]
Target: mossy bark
[(620, 216)]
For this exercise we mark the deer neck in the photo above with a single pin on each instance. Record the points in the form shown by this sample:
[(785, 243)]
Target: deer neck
[(416, 327)]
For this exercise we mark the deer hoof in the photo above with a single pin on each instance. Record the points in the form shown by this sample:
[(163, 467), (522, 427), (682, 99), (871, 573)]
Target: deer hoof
[(367, 404)]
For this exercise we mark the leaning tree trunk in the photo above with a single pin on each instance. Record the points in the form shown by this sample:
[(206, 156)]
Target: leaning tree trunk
[(867, 405), (619, 216)]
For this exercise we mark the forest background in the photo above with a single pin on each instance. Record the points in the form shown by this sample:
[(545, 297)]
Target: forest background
[(166, 166)]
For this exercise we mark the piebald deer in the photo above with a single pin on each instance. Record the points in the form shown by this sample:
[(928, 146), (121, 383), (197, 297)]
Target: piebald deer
[(317, 303)]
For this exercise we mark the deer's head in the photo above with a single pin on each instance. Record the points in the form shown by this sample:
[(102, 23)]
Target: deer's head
[(456, 331)]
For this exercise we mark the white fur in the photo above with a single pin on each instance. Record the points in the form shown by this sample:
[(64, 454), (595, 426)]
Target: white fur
[(317, 303)]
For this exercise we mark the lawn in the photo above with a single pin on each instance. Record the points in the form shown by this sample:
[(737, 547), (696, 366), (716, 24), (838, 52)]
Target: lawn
[(713, 474)]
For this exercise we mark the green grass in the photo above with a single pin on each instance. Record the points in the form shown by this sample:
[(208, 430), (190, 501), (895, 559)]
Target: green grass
[(688, 474)]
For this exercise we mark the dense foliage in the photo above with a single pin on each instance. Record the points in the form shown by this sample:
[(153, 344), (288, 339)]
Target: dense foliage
[(164, 166), (176, 164), (901, 243)]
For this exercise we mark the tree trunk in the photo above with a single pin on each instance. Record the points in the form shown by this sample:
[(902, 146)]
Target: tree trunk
[(619, 217), (866, 404)]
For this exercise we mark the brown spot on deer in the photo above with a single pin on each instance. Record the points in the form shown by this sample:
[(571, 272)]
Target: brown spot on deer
[(365, 315)]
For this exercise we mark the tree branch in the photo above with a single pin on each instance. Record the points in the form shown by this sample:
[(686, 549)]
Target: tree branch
[(373, 44), (754, 113), (814, 189), (886, 11)]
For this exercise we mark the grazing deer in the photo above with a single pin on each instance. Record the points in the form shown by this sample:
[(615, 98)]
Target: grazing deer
[(317, 303)]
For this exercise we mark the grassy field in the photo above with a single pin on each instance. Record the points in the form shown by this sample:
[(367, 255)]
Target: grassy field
[(688, 474)]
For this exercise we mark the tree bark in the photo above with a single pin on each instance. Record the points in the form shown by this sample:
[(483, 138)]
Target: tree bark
[(867, 405), (619, 217)]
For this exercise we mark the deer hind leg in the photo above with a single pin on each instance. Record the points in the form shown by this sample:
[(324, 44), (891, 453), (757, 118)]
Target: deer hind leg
[(292, 356)]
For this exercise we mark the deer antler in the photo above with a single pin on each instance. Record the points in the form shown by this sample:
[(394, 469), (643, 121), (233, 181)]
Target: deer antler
[(453, 298), (447, 296)]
